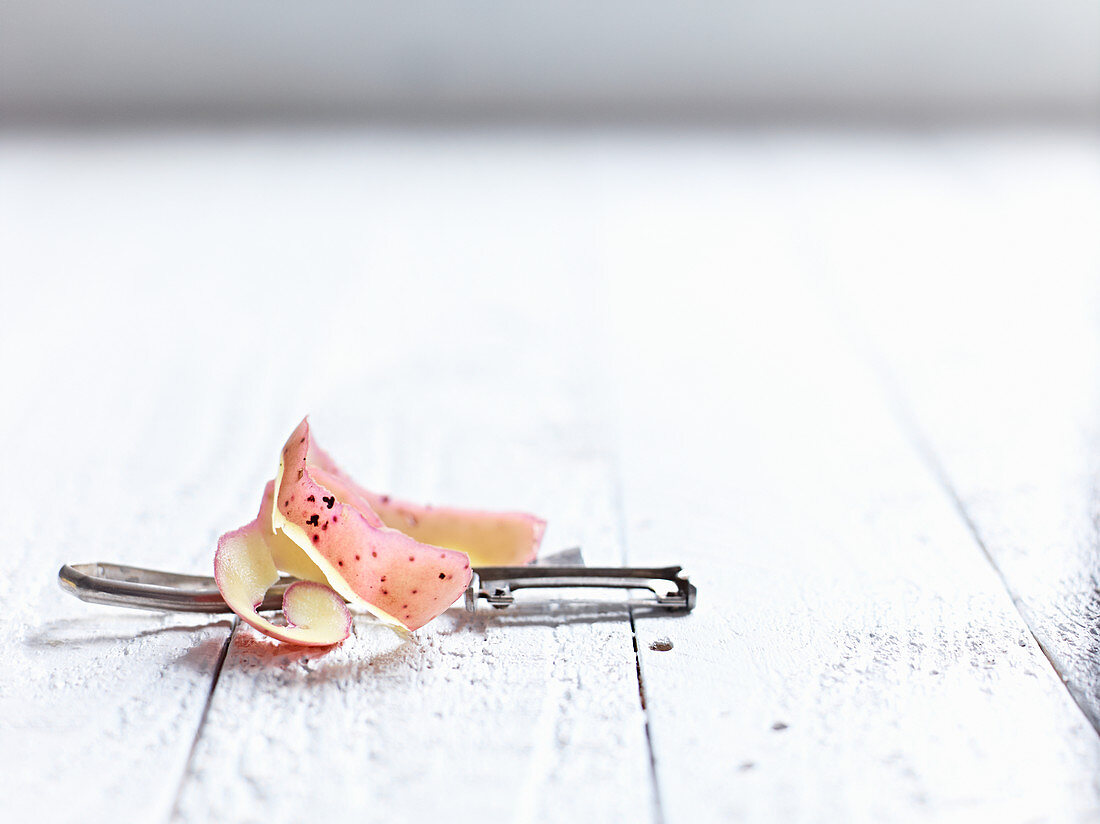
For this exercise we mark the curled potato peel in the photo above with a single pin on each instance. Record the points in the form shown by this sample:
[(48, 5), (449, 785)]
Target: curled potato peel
[(244, 571)]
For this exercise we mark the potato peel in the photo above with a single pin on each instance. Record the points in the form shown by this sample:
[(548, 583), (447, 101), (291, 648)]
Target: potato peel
[(244, 572)]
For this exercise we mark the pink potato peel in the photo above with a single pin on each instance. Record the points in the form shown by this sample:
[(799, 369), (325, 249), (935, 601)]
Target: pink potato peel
[(399, 579), (243, 568)]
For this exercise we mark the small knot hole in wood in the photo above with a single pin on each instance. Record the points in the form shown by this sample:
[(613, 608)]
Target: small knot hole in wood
[(661, 645)]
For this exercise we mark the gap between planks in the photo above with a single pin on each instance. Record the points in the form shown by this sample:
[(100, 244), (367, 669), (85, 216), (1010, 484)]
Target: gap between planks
[(658, 804), (620, 514), (173, 814)]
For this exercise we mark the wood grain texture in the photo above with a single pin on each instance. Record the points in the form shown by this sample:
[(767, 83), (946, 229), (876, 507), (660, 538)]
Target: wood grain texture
[(473, 390), (98, 707), (586, 328), (853, 656), (120, 443), (990, 343)]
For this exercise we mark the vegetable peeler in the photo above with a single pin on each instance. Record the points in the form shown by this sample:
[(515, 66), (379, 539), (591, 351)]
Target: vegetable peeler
[(127, 586)]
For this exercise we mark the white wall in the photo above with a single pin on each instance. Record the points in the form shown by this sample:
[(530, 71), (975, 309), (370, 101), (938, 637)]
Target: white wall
[(574, 57)]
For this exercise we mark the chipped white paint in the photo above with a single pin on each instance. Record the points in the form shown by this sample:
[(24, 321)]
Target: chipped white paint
[(455, 336), (98, 708), (853, 656), (1003, 389)]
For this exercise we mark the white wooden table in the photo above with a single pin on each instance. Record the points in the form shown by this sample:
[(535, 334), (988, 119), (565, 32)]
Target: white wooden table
[(849, 382)]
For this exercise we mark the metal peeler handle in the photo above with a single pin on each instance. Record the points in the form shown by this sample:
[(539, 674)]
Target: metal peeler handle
[(496, 585), (127, 586)]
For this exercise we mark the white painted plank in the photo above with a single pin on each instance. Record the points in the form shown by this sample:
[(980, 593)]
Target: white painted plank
[(120, 446), (1002, 387), (853, 656), (98, 706)]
